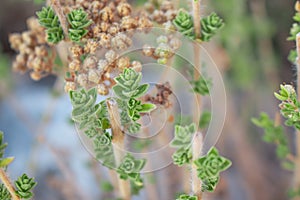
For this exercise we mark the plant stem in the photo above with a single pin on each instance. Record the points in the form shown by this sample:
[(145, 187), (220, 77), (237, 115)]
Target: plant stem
[(197, 18), (197, 141), (297, 160), (196, 148), (55, 4), (6, 181), (118, 144)]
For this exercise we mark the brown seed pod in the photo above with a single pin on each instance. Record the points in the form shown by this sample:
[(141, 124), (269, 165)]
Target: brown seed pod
[(90, 62), (106, 14), (122, 63), (111, 56), (94, 75), (69, 86), (74, 65), (76, 51), (102, 89), (124, 9), (15, 41), (36, 76), (82, 80)]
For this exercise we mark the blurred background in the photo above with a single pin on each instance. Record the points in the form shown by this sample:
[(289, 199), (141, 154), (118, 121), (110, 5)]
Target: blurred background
[(251, 51)]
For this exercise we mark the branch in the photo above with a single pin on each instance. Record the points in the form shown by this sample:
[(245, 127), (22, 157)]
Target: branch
[(297, 160), (118, 144), (197, 145), (6, 181)]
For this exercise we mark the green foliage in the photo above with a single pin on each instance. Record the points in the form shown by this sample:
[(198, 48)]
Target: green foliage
[(292, 193), (187, 197), (182, 141), (92, 118), (127, 89), (4, 162), (130, 169), (204, 119), (4, 193), (78, 20), (295, 29), (128, 85), (24, 186), (48, 19), (106, 186), (210, 25), (88, 114), (273, 134), (209, 168), (289, 105), (292, 56), (184, 24), (104, 150), (202, 86), (39, 2)]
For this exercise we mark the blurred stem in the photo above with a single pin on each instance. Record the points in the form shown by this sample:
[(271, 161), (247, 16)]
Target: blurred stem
[(197, 141), (196, 148), (6, 181), (55, 4), (118, 144), (297, 161)]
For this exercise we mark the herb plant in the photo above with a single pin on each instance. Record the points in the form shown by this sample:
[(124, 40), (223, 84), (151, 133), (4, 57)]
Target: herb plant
[(88, 28)]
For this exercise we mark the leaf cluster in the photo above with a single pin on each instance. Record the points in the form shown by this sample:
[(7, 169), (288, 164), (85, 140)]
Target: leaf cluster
[(275, 135), (210, 25), (24, 186), (289, 105), (182, 141), (130, 169), (128, 89), (209, 168), (295, 29), (187, 197), (202, 86), (4, 162), (49, 20), (78, 20), (93, 119)]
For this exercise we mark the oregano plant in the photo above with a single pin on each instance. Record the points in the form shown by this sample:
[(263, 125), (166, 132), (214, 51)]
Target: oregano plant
[(110, 104)]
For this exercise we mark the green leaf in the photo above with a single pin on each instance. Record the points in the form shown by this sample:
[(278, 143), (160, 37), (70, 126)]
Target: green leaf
[(187, 197), (78, 20), (204, 119), (141, 90), (24, 186), (210, 25), (6, 161), (4, 193), (48, 19), (209, 168), (147, 107)]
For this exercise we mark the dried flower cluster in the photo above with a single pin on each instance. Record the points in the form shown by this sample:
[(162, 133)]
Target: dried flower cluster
[(165, 12), (112, 25), (33, 51), (162, 96), (166, 46)]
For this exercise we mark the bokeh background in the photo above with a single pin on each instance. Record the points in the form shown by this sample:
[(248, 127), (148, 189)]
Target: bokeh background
[(251, 52)]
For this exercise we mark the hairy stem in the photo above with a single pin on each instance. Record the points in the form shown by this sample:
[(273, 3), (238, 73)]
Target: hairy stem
[(6, 181), (118, 144), (55, 4), (197, 149), (197, 141), (297, 160)]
